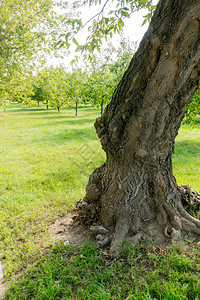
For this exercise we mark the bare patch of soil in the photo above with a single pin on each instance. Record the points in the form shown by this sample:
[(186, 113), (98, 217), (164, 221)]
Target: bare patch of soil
[(2, 291), (65, 229), (2, 284)]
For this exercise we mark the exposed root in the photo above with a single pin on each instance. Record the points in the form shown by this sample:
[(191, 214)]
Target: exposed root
[(172, 233), (99, 229), (87, 213), (169, 223), (88, 208), (101, 234), (136, 238), (190, 198), (120, 233)]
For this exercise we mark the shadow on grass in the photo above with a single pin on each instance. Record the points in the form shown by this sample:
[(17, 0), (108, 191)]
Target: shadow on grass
[(42, 114), (28, 109), (86, 272), (68, 135), (67, 120), (35, 109), (187, 148)]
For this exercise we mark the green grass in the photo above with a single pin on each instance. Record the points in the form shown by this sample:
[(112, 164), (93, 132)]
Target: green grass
[(86, 273), (186, 161), (46, 158)]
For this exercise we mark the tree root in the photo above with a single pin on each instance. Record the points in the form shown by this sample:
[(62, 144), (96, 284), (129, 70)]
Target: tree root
[(174, 223), (190, 198)]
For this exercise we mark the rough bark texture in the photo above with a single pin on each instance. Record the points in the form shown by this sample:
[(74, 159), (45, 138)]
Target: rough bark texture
[(102, 108), (134, 194)]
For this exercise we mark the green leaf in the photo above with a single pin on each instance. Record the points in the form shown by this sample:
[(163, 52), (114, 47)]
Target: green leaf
[(144, 22), (75, 42), (125, 14), (67, 36)]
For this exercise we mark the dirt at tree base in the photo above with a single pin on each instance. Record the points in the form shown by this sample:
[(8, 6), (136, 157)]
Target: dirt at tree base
[(2, 291), (2, 283), (65, 229), (68, 230), (185, 225)]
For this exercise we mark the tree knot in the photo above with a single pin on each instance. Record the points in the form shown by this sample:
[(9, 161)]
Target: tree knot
[(172, 233)]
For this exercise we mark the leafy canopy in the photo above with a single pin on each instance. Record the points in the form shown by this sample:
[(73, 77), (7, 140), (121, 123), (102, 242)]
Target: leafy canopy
[(108, 21), (28, 30)]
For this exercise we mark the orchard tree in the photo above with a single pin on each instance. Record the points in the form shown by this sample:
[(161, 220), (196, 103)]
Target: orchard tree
[(28, 31), (115, 59), (76, 86), (57, 87), (40, 87), (18, 37), (100, 88), (20, 87), (50, 87), (107, 69), (134, 195), (193, 108)]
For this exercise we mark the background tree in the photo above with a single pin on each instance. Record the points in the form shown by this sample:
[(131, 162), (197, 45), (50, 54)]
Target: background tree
[(134, 194), (76, 85), (50, 87), (57, 87), (116, 59), (100, 88), (19, 88), (28, 31), (40, 87), (193, 108), (106, 69)]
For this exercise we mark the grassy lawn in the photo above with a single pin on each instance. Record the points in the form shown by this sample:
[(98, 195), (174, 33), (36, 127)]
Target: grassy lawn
[(46, 158), (187, 156)]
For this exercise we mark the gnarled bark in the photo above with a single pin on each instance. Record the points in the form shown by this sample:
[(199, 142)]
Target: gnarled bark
[(134, 194)]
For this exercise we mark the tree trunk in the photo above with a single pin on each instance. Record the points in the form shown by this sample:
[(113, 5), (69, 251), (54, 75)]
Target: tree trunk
[(58, 107), (134, 194), (76, 108), (102, 108)]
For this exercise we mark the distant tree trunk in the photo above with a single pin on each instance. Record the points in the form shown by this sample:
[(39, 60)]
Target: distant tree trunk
[(47, 104), (134, 194), (101, 108), (58, 107), (76, 108), (38, 102)]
